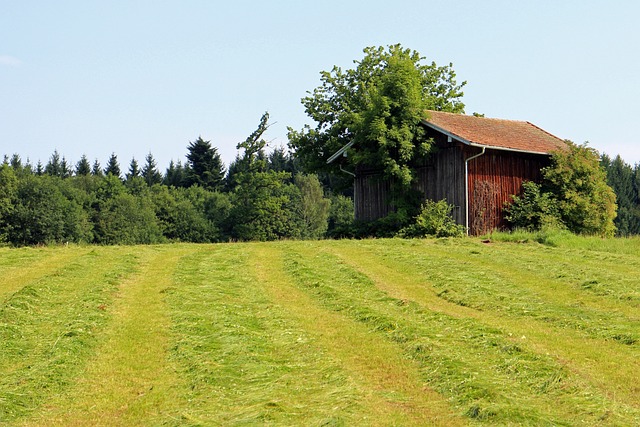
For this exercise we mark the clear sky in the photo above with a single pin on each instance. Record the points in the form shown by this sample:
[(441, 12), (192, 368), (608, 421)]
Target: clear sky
[(138, 76)]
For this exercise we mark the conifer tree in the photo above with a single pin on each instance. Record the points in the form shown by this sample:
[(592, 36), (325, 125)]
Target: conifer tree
[(65, 168), (134, 170), (83, 168), (205, 167), (96, 170), (174, 177), (113, 167), (150, 171), (54, 168)]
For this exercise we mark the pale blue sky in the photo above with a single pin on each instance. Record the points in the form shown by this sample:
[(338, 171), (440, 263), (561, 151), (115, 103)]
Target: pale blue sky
[(135, 76)]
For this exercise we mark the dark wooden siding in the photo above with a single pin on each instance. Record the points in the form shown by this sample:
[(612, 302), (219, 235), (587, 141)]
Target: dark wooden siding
[(441, 178), (444, 179), (493, 178), (372, 196)]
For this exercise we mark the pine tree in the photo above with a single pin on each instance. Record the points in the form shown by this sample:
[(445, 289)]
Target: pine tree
[(97, 169), (54, 167), (113, 167), (174, 177), (65, 168), (620, 177), (16, 162), (134, 170), (83, 168), (205, 167), (150, 171)]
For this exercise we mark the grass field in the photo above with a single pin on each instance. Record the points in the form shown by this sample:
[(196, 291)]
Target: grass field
[(330, 333)]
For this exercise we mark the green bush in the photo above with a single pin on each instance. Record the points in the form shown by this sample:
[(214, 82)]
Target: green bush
[(434, 219), (573, 194), (533, 209)]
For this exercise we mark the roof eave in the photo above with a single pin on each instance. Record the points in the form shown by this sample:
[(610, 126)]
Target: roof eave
[(475, 144), (339, 152)]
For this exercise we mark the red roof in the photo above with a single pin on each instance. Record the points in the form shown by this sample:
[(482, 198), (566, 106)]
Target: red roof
[(495, 133)]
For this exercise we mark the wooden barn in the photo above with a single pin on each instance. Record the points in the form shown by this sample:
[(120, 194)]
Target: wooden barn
[(478, 164)]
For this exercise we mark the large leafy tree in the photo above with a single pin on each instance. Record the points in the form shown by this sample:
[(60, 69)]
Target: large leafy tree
[(253, 158), (377, 107), (313, 207), (43, 214), (586, 203), (205, 166)]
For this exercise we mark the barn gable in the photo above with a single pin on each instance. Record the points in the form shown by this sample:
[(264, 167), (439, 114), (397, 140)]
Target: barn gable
[(496, 156), (478, 164)]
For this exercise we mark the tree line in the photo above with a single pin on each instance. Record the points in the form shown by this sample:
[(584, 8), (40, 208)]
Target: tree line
[(260, 197)]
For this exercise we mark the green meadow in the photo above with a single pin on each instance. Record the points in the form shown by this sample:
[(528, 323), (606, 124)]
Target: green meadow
[(327, 333)]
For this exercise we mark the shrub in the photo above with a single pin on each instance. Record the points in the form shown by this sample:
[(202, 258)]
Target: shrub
[(434, 219), (533, 209)]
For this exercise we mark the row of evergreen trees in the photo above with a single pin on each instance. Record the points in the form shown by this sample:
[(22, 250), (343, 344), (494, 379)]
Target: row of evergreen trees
[(204, 167), (260, 197), (625, 181)]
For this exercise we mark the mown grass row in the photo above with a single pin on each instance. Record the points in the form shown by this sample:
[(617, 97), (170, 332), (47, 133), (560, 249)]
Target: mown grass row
[(244, 360), (48, 326), (376, 332), (128, 379), (485, 371)]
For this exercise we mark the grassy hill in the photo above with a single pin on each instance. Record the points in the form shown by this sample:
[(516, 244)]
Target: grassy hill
[(374, 332)]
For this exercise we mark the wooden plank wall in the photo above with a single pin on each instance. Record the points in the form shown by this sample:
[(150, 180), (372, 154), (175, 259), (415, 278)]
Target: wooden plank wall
[(372, 197), (444, 179), (493, 178)]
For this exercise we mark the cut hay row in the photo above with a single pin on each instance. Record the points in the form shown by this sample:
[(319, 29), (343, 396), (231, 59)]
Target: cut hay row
[(377, 332)]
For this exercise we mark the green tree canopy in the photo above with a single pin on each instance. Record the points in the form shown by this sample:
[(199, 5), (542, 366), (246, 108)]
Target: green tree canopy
[(263, 204), (313, 207), (42, 214), (253, 158), (586, 203), (377, 107), (8, 195)]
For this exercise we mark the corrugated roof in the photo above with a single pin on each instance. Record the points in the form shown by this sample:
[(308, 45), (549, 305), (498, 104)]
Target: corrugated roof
[(495, 133)]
